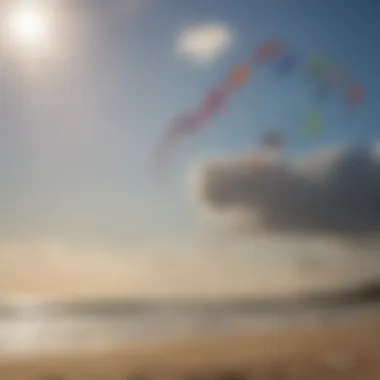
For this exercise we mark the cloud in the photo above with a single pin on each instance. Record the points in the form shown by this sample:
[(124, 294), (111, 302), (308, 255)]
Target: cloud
[(334, 192), (204, 43)]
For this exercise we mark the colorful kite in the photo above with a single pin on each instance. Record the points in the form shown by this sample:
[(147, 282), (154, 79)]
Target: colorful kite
[(214, 102), (192, 122), (287, 63), (240, 75), (355, 95), (314, 123), (186, 124), (270, 51), (319, 67)]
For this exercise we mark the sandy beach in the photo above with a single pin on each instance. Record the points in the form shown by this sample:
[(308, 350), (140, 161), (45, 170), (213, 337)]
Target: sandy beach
[(335, 351)]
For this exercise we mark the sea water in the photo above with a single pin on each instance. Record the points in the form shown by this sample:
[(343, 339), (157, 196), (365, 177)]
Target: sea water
[(55, 327)]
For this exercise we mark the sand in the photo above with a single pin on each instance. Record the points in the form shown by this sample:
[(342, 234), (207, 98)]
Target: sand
[(349, 351)]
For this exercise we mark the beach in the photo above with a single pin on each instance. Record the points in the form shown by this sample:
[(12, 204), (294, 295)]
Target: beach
[(333, 350)]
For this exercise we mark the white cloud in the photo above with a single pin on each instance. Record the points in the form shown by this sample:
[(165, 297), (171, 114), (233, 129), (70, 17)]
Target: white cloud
[(204, 43)]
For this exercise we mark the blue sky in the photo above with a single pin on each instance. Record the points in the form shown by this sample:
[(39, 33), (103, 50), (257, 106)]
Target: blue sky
[(78, 131)]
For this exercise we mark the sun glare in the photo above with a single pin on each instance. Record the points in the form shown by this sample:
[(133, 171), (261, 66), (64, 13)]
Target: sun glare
[(29, 28)]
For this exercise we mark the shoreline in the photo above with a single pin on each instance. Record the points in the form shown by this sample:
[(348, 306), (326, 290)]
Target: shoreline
[(350, 348)]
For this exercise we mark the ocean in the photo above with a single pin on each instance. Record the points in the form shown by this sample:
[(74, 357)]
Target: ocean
[(52, 327)]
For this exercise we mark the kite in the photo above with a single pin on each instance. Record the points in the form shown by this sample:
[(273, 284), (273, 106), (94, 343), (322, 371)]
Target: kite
[(193, 122), (319, 67), (355, 95), (186, 124), (213, 103), (287, 63), (270, 50), (314, 123), (240, 75)]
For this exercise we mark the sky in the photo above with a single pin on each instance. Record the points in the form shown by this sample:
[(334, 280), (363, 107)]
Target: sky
[(79, 127)]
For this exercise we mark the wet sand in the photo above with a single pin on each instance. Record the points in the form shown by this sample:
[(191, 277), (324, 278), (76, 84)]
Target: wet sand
[(349, 351)]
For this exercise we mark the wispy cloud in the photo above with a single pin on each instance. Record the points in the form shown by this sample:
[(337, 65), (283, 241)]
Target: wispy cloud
[(204, 43)]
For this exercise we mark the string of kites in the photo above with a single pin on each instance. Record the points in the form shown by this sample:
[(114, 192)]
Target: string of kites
[(285, 61)]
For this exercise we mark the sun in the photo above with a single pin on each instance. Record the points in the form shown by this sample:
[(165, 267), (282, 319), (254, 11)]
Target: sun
[(29, 28)]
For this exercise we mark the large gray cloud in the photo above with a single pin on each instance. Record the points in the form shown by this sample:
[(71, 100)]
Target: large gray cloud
[(334, 191)]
